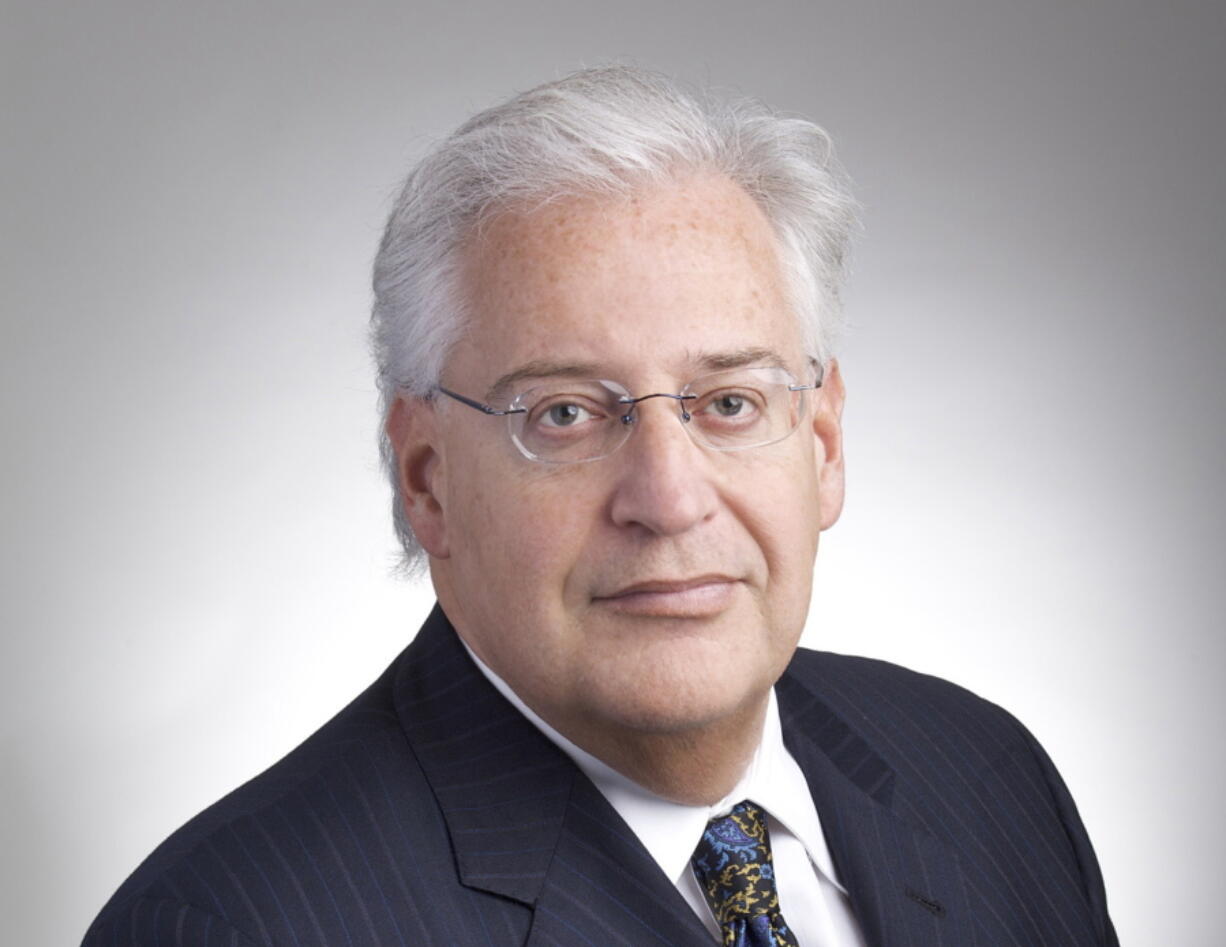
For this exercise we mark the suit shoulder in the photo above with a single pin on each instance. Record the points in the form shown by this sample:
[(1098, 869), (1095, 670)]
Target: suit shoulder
[(958, 767), (332, 794), (827, 667), (884, 699)]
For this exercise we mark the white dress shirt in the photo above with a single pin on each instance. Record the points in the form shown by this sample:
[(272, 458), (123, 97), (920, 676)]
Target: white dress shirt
[(811, 899)]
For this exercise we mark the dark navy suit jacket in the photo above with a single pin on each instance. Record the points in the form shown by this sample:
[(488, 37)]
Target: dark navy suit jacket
[(429, 811)]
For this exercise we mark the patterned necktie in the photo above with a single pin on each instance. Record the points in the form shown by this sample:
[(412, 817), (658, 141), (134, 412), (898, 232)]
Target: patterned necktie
[(733, 866)]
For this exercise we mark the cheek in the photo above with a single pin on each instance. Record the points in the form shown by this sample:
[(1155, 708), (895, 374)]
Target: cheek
[(525, 528), (557, 521), (782, 516), (783, 503)]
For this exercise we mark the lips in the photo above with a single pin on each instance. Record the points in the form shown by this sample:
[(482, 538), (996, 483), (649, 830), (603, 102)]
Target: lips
[(697, 597), (653, 586)]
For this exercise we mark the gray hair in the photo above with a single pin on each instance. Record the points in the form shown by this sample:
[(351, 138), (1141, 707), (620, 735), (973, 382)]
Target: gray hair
[(599, 132)]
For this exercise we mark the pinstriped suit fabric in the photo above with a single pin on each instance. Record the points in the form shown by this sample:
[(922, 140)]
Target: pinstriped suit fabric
[(966, 776), (430, 812)]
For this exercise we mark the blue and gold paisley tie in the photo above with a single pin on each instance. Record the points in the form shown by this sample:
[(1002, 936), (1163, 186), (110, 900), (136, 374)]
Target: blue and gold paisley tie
[(734, 869)]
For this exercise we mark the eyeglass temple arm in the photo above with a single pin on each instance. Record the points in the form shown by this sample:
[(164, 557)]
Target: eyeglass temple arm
[(821, 376), (485, 408)]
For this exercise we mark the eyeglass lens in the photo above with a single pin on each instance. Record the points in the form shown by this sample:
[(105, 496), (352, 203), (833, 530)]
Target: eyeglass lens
[(573, 421)]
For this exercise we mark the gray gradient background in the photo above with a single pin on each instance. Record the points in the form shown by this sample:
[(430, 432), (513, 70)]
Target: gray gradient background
[(197, 545)]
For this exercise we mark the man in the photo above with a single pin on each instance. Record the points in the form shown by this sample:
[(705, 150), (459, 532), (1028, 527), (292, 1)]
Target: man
[(604, 319)]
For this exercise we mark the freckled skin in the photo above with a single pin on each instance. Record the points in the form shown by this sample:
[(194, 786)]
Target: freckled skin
[(525, 555)]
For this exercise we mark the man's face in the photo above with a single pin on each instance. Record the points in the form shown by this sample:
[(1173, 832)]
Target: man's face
[(665, 586)]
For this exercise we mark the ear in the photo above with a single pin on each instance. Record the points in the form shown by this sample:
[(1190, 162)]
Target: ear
[(420, 472), (828, 428)]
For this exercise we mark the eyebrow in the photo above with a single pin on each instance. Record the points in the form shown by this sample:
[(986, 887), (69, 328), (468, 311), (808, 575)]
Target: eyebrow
[(703, 361), (540, 368), (739, 358)]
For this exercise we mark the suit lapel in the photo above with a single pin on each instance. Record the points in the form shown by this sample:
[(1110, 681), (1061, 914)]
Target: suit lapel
[(905, 885), (524, 822), (604, 888), (501, 786)]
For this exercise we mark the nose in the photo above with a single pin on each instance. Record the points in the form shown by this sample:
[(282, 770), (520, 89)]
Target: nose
[(664, 479)]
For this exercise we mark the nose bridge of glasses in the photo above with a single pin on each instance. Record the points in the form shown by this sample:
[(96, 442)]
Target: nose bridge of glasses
[(657, 438), (630, 403)]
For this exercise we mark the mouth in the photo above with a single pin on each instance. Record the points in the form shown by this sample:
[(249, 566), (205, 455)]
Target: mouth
[(700, 597)]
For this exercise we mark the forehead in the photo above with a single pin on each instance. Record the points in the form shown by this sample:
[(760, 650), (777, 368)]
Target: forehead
[(662, 278)]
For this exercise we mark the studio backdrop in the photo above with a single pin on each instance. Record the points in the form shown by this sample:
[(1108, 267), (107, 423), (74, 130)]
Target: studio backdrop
[(198, 562)]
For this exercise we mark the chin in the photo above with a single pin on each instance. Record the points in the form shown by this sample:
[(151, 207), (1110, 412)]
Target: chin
[(682, 692)]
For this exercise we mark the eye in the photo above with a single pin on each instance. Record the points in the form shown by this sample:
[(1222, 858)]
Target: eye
[(731, 404), (728, 405), (564, 414)]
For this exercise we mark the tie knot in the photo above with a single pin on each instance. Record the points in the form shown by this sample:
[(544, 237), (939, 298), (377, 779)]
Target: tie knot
[(734, 869)]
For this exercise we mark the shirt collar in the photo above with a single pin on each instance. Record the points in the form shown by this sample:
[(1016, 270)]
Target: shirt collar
[(670, 831)]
